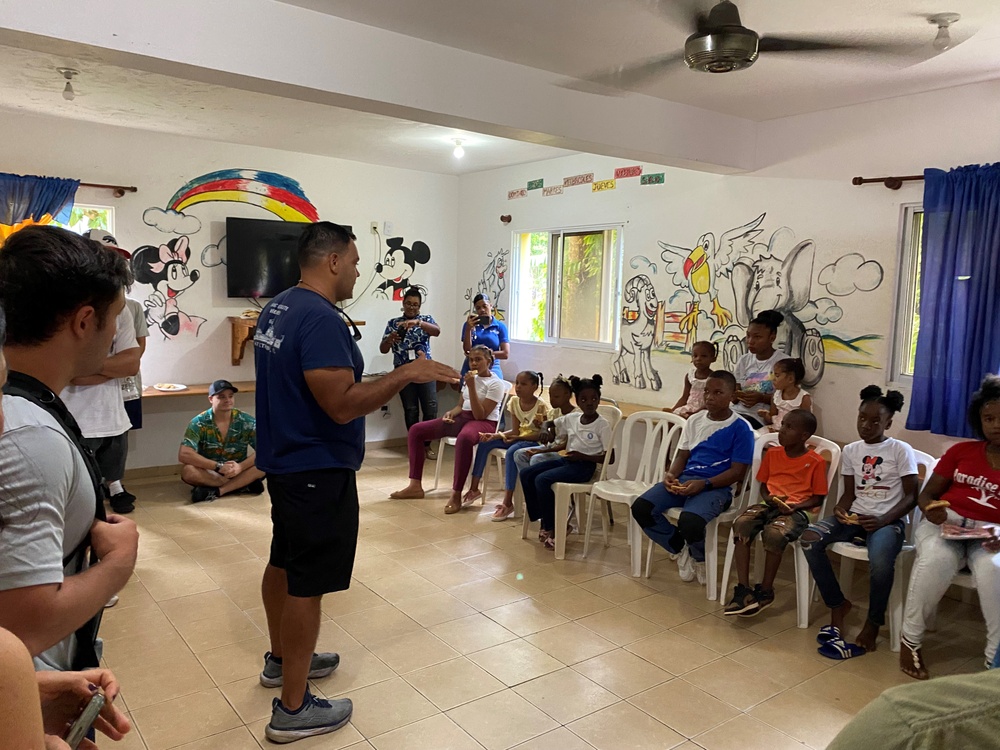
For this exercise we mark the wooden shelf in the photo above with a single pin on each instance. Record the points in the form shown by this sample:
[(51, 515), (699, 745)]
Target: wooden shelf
[(243, 330), (198, 389)]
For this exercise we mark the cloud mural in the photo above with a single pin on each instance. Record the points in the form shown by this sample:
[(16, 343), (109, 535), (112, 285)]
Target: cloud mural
[(851, 273), (170, 221), (823, 310)]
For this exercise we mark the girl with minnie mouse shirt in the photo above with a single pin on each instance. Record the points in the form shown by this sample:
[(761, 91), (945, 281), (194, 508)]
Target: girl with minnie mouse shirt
[(964, 492)]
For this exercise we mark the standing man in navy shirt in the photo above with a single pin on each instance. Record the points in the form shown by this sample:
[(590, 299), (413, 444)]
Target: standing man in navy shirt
[(311, 406)]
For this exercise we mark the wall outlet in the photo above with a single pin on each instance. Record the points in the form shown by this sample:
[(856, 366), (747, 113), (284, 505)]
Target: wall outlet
[(387, 228), (374, 227)]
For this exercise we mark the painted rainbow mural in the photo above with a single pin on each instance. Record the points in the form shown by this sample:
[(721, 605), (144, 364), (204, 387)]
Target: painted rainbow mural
[(280, 195)]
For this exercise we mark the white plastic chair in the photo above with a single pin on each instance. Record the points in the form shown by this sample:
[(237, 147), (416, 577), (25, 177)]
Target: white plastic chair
[(740, 500), (565, 491), (453, 441), (850, 552), (649, 441)]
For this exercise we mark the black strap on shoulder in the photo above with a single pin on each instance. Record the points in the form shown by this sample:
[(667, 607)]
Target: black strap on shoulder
[(33, 390)]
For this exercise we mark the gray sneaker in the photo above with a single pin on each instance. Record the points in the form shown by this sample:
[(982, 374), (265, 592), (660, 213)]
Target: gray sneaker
[(685, 565), (314, 716), (320, 666)]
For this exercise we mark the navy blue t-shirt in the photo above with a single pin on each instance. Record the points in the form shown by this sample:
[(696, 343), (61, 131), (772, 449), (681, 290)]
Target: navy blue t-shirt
[(298, 331)]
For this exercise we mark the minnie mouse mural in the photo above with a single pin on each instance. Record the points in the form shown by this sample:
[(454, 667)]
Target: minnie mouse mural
[(165, 268)]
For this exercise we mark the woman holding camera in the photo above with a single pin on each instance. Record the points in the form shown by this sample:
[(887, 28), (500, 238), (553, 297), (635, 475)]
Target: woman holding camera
[(409, 337), (482, 329)]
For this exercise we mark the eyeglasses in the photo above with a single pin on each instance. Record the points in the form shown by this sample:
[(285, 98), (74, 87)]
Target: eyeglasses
[(354, 326)]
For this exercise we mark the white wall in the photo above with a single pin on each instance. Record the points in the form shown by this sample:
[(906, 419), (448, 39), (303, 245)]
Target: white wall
[(839, 217), (420, 206)]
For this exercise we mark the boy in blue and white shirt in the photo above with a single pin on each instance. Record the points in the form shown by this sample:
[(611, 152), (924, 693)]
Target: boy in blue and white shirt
[(715, 450)]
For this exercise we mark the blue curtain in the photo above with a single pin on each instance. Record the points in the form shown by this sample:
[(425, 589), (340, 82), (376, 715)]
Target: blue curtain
[(28, 200), (959, 338)]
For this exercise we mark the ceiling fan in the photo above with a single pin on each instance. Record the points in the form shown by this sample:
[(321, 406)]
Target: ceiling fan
[(722, 44)]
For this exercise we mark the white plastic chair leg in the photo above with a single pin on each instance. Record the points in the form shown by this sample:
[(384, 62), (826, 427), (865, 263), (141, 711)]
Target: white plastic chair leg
[(440, 460), (562, 519), (525, 521), (590, 518), (635, 547), (727, 567), (649, 553), (712, 560), (846, 575), (803, 581)]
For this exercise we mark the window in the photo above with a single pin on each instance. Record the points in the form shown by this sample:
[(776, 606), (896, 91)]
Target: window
[(566, 286), (908, 294), (84, 217)]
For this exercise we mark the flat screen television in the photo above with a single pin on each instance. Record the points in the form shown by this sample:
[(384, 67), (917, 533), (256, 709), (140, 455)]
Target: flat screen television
[(261, 256)]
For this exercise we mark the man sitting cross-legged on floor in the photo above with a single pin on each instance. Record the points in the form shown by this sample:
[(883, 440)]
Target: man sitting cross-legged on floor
[(793, 481), (214, 449)]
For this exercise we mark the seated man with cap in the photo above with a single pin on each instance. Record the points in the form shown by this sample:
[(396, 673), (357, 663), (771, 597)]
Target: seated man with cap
[(214, 450)]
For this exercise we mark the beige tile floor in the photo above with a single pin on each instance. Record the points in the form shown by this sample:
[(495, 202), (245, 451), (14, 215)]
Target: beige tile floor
[(456, 634)]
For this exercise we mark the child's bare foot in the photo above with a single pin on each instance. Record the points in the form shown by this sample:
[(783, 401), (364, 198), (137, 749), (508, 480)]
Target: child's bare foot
[(911, 661), (868, 636), (413, 491), (839, 614)]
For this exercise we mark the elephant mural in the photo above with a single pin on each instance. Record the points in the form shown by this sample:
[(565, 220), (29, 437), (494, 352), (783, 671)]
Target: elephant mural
[(771, 283)]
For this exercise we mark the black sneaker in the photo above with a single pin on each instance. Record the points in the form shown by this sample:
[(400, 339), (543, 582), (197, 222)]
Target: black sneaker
[(123, 502), (743, 601), (763, 600), (256, 487), (203, 494)]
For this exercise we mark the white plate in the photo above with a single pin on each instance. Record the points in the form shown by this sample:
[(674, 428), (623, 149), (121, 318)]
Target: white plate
[(170, 387)]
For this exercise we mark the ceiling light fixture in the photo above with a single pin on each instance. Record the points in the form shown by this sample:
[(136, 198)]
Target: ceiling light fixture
[(459, 152), (943, 21), (68, 73)]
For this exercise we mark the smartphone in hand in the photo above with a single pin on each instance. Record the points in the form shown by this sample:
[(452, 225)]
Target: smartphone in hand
[(85, 721)]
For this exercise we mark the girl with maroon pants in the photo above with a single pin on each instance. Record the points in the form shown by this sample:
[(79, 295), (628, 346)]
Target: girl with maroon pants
[(482, 392)]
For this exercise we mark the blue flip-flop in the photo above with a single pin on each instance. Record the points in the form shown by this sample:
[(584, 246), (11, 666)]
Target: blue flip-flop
[(827, 633), (839, 649)]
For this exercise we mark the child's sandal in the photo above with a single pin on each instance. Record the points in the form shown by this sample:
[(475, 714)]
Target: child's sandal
[(549, 543), (915, 668)]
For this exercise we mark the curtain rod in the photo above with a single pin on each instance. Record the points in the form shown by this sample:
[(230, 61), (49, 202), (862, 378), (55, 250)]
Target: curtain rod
[(117, 190), (893, 183)]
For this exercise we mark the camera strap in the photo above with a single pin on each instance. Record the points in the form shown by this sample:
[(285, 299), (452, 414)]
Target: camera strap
[(33, 390)]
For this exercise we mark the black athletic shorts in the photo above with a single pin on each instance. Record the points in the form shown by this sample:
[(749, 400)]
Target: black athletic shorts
[(314, 515), (134, 410)]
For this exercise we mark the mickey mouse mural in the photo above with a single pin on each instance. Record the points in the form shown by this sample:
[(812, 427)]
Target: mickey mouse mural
[(398, 266)]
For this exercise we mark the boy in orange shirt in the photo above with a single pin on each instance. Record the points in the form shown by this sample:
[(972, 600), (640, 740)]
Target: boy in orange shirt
[(793, 480)]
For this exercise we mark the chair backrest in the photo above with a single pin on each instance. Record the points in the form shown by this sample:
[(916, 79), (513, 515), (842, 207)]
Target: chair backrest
[(649, 441), (614, 416), (509, 389), (748, 491), (830, 453), (925, 467), (608, 400)]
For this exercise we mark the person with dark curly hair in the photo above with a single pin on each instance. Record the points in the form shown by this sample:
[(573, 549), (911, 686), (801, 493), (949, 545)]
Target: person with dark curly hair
[(961, 504), (588, 438), (880, 486)]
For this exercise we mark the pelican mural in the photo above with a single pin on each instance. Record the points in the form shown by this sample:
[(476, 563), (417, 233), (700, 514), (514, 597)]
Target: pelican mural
[(696, 270)]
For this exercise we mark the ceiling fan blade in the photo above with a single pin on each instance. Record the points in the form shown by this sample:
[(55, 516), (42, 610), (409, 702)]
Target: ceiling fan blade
[(771, 44), (624, 78)]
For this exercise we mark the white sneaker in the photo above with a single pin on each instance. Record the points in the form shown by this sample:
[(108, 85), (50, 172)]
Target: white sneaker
[(699, 571), (685, 565)]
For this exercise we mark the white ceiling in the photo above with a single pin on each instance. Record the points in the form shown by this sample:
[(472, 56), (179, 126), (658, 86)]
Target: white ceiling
[(131, 98), (579, 37)]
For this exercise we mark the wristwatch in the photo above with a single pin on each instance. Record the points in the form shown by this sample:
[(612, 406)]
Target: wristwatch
[(219, 465)]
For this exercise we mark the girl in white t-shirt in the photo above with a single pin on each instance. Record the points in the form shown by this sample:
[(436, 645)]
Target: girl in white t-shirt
[(880, 486), (703, 356), (753, 369), (482, 392), (788, 394), (588, 438), (525, 414)]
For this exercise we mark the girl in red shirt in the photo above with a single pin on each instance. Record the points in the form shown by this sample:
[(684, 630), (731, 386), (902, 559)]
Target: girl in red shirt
[(963, 491)]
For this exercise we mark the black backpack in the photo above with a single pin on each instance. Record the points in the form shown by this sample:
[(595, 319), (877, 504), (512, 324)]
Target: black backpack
[(27, 387)]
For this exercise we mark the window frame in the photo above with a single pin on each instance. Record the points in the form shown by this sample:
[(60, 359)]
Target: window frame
[(554, 291), (906, 278), (109, 209)]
